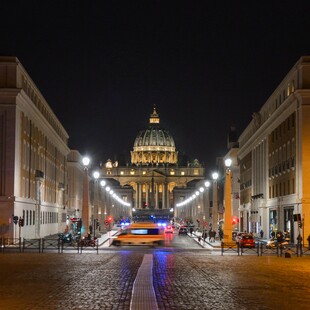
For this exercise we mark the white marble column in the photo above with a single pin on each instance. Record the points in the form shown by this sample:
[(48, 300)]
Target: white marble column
[(156, 195), (140, 196), (147, 187), (137, 195)]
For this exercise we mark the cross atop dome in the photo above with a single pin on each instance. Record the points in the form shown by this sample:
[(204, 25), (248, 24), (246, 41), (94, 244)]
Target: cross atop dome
[(154, 119)]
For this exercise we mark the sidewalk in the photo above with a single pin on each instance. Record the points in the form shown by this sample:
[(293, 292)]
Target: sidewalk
[(205, 244), (217, 244), (105, 239)]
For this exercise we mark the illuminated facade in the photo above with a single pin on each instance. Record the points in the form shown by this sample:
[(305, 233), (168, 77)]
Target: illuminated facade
[(154, 172), (274, 158), (33, 151)]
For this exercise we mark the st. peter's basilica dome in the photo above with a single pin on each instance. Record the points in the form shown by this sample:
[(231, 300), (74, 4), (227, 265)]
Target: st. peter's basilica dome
[(154, 145)]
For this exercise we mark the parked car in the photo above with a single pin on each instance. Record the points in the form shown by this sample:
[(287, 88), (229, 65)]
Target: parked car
[(246, 241), (169, 229), (182, 230)]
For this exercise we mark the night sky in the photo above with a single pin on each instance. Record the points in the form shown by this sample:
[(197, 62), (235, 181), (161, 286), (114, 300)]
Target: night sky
[(102, 65)]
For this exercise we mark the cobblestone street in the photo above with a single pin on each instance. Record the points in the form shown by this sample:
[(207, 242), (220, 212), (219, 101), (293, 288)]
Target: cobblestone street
[(181, 280)]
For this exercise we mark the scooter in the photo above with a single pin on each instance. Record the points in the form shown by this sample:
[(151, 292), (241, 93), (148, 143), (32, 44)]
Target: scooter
[(280, 241), (66, 238), (88, 242)]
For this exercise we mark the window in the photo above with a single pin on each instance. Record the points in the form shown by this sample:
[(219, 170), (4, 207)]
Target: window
[(293, 120), (288, 89)]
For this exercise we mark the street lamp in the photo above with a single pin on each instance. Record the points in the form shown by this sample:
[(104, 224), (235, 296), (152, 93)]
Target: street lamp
[(207, 218), (96, 175), (103, 203), (227, 212), (215, 176), (85, 205)]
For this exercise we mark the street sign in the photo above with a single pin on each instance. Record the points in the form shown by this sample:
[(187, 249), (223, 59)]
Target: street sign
[(106, 223)]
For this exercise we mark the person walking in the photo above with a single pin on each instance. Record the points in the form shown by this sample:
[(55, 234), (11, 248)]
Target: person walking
[(205, 233), (221, 234), (213, 235), (210, 235), (191, 230)]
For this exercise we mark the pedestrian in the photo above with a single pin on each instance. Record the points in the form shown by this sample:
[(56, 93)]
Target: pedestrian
[(299, 239), (221, 234), (261, 233), (213, 235), (191, 230), (204, 235), (210, 234)]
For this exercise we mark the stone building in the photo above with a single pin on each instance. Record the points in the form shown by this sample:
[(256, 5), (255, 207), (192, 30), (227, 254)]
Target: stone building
[(274, 159), (33, 152), (154, 173)]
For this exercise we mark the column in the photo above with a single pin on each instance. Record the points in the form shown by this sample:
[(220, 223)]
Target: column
[(137, 196), (164, 201), (139, 203), (156, 195), (147, 194), (168, 197)]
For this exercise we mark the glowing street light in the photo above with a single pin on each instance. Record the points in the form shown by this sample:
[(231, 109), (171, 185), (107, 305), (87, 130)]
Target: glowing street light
[(96, 175), (215, 176), (227, 212), (85, 204)]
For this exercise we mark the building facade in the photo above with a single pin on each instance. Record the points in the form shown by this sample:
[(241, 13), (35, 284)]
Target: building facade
[(154, 173), (274, 159), (33, 152)]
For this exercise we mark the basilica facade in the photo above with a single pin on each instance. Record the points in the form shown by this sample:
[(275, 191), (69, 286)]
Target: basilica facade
[(154, 174)]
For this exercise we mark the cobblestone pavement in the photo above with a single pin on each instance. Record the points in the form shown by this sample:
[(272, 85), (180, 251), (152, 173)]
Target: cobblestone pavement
[(182, 280)]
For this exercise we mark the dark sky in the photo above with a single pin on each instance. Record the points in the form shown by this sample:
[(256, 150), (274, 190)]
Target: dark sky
[(102, 65)]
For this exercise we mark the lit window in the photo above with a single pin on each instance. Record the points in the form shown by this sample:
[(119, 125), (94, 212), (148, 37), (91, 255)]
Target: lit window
[(122, 172), (172, 172), (143, 172), (182, 172), (288, 89), (132, 172)]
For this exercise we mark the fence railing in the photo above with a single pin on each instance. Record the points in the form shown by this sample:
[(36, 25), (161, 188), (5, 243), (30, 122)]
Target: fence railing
[(11, 244), (262, 248)]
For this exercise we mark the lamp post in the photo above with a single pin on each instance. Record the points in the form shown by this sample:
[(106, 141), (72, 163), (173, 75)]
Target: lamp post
[(215, 176), (85, 205), (202, 209), (103, 203), (96, 175), (227, 212), (207, 218)]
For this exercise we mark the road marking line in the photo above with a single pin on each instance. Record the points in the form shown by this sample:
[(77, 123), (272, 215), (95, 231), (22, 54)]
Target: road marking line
[(143, 295)]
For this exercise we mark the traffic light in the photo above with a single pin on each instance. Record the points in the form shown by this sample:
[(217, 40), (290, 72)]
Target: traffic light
[(15, 219), (234, 220), (110, 219), (21, 222)]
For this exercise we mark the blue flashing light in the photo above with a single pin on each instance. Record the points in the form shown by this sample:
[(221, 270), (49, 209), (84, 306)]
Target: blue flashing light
[(161, 224)]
